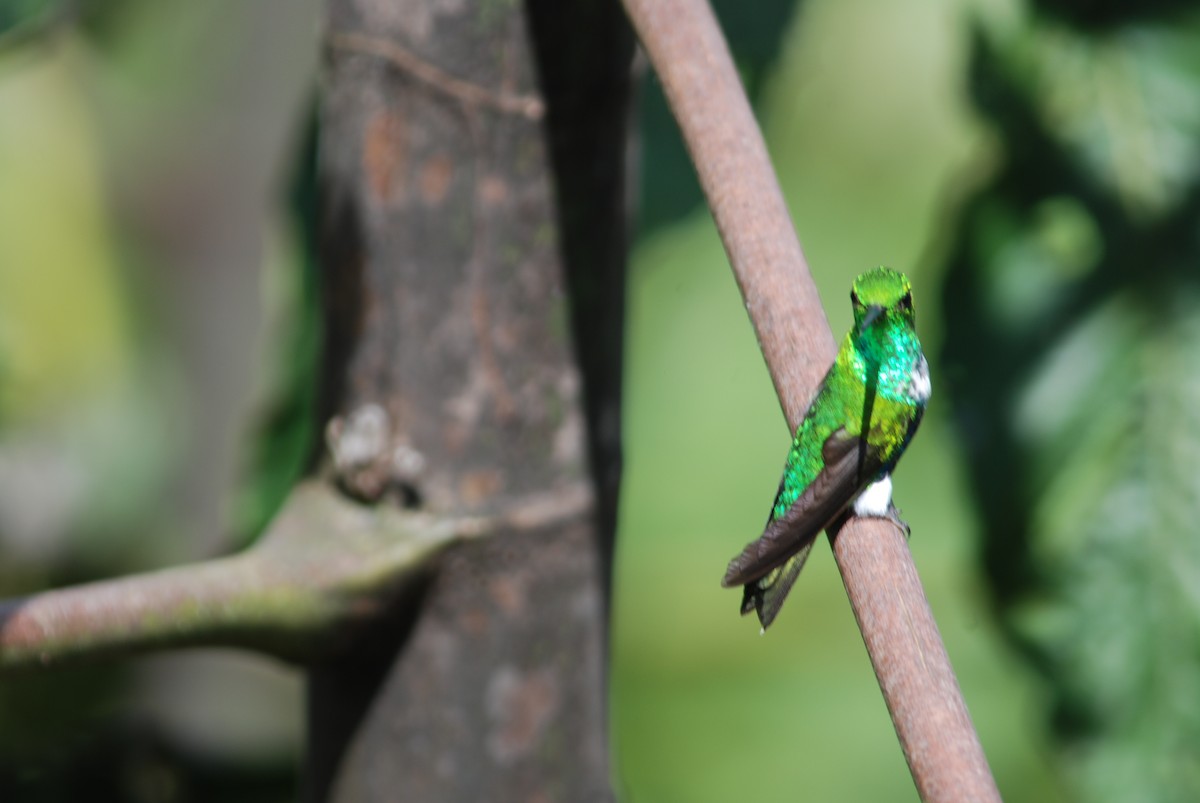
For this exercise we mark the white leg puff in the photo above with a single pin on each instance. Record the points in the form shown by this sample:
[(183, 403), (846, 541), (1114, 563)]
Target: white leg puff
[(876, 498)]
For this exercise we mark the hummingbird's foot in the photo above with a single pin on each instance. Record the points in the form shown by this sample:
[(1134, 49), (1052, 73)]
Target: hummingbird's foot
[(876, 502), (893, 515)]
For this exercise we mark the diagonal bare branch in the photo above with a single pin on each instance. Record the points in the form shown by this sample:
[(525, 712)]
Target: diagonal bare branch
[(687, 50)]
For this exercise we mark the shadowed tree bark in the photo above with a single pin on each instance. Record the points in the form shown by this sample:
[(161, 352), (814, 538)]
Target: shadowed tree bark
[(453, 386)]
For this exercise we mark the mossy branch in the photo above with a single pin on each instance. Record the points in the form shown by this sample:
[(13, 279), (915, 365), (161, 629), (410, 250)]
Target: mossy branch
[(686, 48), (325, 565)]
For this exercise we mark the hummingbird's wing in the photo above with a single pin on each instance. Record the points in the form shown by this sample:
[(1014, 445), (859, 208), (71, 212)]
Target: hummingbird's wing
[(766, 594), (849, 466)]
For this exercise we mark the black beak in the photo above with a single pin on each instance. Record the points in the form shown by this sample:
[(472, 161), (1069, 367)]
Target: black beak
[(873, 313)]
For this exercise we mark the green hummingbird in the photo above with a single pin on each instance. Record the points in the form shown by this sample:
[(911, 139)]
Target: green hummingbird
[(855, 429)]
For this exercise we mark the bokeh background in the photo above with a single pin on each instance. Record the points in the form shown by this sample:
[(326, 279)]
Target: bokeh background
[(1033, 170)]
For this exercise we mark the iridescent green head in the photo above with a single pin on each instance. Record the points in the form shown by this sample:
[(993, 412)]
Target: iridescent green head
[(882, 295)]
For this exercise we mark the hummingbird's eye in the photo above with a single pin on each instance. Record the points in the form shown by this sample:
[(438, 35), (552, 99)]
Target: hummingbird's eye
[(853, 297), (906, 301)]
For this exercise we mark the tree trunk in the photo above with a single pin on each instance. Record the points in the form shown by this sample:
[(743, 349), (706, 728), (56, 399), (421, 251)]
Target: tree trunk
[(451, 384)]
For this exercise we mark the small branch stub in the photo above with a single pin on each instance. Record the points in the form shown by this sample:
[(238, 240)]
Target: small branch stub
[(467, 93)]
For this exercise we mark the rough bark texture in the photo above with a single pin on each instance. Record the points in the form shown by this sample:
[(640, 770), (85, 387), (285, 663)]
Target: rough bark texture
[(451, 385)]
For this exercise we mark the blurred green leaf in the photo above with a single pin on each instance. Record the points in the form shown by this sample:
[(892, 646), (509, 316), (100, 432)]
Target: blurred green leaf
[(19, 18), (1123, 106), (1073, 345)]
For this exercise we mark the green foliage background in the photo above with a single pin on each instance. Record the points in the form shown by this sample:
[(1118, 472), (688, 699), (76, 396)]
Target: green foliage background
[(1033, 170), (1078, 267)]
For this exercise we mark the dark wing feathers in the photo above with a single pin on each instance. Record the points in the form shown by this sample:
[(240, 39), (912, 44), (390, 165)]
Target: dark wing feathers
[(849, 465), (766, 595)]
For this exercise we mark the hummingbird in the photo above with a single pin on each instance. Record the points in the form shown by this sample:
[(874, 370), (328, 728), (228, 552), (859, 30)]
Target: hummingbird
[(863, 416)]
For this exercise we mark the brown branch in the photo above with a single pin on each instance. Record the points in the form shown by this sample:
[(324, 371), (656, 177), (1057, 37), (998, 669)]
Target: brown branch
[(465, 92), (685, 45), (325, 565)]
